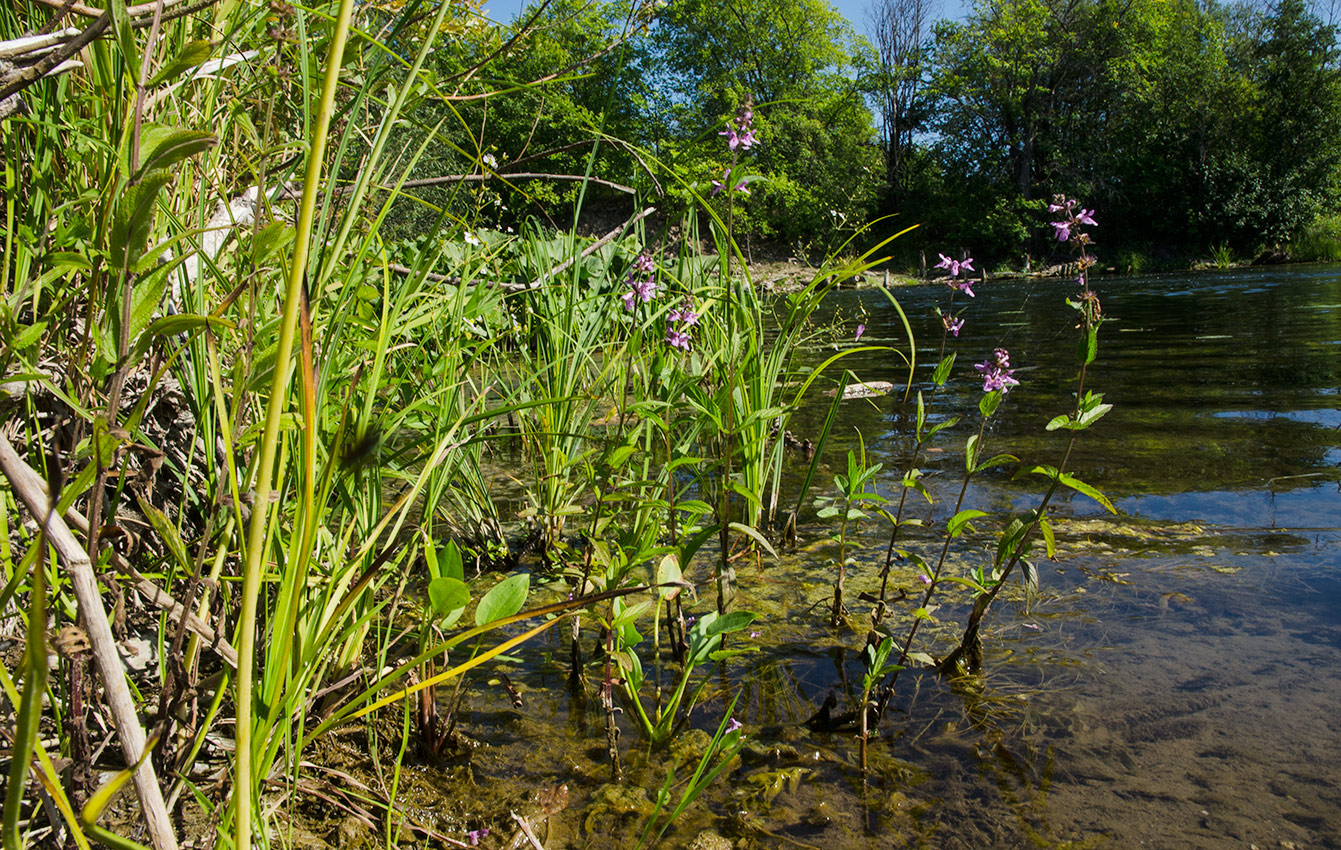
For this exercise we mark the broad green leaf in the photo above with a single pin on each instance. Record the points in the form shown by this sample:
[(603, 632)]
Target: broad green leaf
[(192, 55), (988, 404), (996, 460), (134, 218), (272, 239), (28, 335), (942, 373), (503, 599), (1081, 487), (450, 562), (936, 429), (669, 577), (446, 595), (728, 623), (960, 521), (1089, 345)]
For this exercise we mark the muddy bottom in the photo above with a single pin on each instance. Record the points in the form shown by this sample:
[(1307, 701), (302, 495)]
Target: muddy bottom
[(1166, 687)]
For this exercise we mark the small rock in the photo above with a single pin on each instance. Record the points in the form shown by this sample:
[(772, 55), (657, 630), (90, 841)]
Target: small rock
[(352, 833), (709, 839)]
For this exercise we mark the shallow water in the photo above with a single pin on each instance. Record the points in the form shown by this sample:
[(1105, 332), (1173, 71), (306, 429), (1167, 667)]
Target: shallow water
[(1174, 681)]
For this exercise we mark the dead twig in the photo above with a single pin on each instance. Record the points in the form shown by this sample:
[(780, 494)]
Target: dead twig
[(32, 491)]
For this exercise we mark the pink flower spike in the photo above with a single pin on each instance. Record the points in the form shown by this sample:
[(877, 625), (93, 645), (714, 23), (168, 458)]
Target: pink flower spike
[(677, 339)]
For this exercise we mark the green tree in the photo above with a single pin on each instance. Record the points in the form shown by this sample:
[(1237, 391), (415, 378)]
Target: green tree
[(798, 61)]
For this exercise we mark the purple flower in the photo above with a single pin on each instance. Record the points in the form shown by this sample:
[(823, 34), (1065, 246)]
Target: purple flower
[(1067, 206), (738, 139), (964, 286), (640, 292), (733, 725), (739, 131), (684, 315), (955, 266), (475, 835), (861, 329), (677, 339), (925, 579), (719, 185), (743, 187), (996, 372), (755, 634), (644, 263), (951, 323)]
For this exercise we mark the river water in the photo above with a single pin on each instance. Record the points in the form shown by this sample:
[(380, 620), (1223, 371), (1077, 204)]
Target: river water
[(1174, 680)]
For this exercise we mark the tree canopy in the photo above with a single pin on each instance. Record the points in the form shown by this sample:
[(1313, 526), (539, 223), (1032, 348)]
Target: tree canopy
[(1191, 124)]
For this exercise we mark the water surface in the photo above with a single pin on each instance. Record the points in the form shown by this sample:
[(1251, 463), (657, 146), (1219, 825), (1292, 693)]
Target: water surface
[(1172, 683)]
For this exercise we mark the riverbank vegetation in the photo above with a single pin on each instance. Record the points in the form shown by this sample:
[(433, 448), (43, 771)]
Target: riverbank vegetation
[(321, 417)]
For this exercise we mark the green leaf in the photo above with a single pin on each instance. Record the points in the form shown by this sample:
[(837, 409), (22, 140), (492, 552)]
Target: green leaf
[(1009, 543), (996, 460), (27, 335), (1089, 345), (1049, 539), (936, 429), (621, 455), (134, 218), (449, 562), (966, 582), (754, 534), (988, 404), (942, 373), (1081, 487), (172, 145), (125, 36), (971, 452), (192, 55), (1071, 481), (669, 577), (272, 239), (503, 599), (960, 521), (446, 595), (728, 623)]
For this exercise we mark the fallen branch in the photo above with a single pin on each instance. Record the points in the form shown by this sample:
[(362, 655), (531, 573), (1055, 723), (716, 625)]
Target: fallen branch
[(32, 491)]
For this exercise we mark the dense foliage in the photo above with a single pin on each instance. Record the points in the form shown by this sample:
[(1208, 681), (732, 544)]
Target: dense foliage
[(1226, 119)]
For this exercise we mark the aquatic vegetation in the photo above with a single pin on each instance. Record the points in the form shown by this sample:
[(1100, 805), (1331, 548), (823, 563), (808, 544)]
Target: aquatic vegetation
[(356, 436)]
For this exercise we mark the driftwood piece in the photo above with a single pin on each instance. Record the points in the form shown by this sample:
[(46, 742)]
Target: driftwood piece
[(25, 60), (32, 491)]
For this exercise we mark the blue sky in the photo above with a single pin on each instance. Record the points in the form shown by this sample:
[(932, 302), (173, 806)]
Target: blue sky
[(853, 10)]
